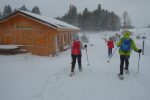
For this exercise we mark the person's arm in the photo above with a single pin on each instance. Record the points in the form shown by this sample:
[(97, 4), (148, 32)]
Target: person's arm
[(81, 45), (113, 44), (134, 46), (70, 46), (107, 43), (119, 43)]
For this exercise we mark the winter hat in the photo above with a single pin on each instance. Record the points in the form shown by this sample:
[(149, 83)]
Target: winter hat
[(127, 34), (76, 37)]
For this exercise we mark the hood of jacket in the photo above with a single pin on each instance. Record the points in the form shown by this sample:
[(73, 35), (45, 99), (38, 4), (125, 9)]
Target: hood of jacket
[(76, 37), (127, 34)]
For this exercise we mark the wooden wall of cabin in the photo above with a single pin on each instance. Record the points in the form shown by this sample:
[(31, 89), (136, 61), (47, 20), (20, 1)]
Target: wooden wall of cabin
[(36, 38)]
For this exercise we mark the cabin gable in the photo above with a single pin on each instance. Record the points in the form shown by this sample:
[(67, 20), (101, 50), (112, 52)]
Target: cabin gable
[(35, 35)]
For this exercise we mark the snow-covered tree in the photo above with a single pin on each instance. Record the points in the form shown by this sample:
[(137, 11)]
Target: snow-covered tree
[(36, 10), (7, 10), (96, 20), (98, 17), (23, 8), (126, 20), (1, 15), (71, 16)]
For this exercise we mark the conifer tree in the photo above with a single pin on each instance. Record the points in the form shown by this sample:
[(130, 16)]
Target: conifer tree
[(98, 17), (36, 10), (1, 16), (7, 10), (23, 8), (96, 20), (126, 20)]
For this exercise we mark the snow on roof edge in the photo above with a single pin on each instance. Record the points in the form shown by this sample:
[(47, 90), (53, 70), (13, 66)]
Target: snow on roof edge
[(55, 22)]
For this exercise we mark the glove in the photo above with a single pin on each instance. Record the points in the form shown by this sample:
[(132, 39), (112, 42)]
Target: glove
[(139, 51), (85, 46)]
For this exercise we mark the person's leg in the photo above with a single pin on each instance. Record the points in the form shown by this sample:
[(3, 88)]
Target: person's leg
[(108, 52), (73, 62), (79, 61), (111, 51), (121, 64), (127, 62), (71, 58)]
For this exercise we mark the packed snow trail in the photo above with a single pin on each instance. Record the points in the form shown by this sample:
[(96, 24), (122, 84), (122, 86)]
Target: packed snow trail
[(97, 81), (46, 78)]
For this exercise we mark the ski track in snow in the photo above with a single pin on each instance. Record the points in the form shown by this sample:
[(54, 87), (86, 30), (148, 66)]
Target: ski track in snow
[(53, 83), (53, 87)]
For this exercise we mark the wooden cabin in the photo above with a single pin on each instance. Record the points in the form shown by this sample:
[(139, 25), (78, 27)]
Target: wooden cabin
[(37, 34)]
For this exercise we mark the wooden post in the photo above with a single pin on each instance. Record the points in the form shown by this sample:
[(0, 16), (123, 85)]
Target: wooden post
[(143, 48)]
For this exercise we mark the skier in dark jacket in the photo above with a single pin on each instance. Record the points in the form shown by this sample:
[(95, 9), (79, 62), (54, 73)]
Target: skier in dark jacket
[(110, 45), (126, 44), (76, 53)]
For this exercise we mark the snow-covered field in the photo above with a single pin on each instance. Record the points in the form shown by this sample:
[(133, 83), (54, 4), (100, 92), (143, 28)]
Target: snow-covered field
[(30, 77)]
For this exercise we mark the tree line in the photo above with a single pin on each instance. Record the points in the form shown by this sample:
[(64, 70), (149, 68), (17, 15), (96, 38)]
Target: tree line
[(97, 20), (8, 10)]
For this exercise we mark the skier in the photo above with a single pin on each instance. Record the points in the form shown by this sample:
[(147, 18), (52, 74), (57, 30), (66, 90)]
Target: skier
[(125, 45), (110, 45), (76, 53)]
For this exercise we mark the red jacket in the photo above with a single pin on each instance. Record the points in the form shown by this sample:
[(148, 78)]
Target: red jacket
[(110, 44), (76, 47)]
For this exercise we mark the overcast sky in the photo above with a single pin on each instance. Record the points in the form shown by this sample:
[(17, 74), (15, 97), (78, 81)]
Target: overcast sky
[(137, 9)]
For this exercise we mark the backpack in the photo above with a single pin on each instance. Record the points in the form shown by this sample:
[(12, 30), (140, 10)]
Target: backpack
[(76, 47), (110, 44), (126, 45)]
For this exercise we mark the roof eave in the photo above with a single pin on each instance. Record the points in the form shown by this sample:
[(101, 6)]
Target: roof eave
[(38, 20), (66, 29)]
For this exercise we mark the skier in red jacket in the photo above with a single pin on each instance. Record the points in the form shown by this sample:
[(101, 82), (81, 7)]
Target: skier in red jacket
[(110, 45), (76, 53)]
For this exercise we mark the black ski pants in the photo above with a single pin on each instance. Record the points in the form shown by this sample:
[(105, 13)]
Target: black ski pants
[(124, 59), (109, 52), (74, 57)]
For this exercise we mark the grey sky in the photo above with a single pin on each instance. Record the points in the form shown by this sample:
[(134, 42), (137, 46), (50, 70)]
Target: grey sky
[(137, 9)]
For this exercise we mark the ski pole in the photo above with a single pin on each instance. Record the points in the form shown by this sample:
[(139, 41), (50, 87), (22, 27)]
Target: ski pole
[(112, 55), (138, 63), (87, 57)]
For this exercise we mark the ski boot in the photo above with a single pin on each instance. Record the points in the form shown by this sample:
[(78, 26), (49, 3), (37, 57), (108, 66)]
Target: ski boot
[(71, 74), (127, 71), (120, 76), (80, 69)]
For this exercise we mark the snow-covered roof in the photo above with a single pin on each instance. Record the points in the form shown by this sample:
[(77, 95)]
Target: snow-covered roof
[(51, 21)]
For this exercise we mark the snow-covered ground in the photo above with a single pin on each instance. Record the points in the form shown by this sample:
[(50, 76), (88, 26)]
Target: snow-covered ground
[(30, 77)]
